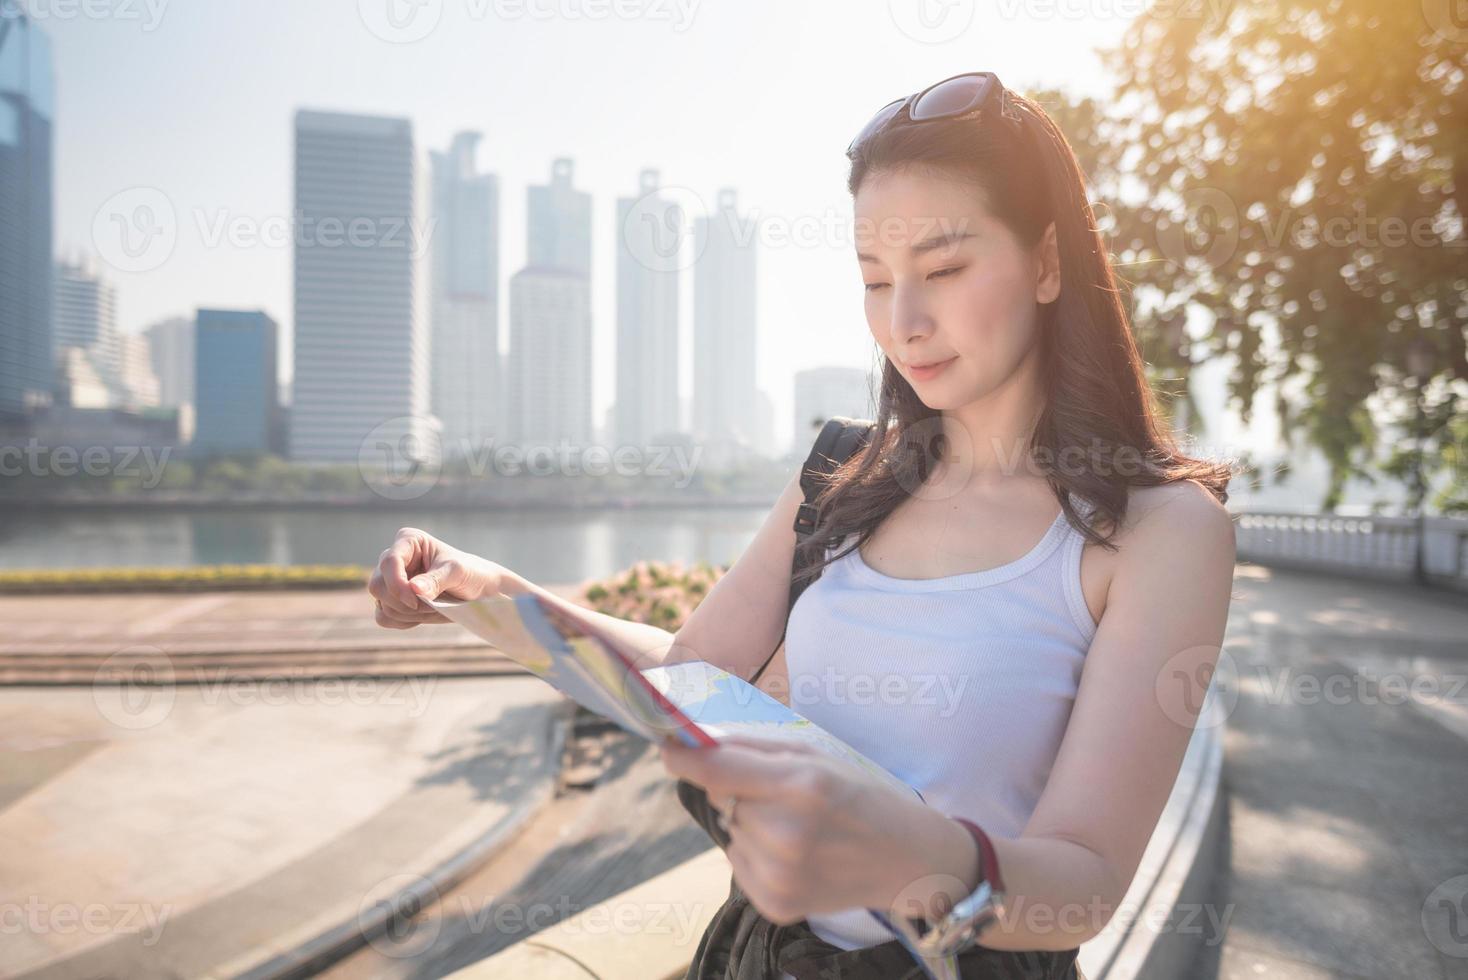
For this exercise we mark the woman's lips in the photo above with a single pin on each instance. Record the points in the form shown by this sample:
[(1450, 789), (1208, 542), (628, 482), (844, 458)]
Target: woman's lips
[(930, 371)]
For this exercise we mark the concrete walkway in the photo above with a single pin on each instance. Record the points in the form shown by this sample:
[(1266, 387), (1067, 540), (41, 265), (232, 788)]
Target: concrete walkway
[(1346, 768), (214, 636), (215, 831)]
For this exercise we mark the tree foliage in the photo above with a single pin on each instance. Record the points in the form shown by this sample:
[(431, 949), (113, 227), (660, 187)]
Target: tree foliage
[(1299, 169)]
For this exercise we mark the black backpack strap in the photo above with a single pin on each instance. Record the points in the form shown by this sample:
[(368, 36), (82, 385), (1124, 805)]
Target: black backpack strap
[(840, 439)]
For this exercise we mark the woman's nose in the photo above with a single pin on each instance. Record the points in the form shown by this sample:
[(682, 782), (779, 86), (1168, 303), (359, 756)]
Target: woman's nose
[(910, 317)]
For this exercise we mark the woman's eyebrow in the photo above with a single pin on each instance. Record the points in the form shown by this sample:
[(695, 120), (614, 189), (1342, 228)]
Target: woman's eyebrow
[(926, 245)]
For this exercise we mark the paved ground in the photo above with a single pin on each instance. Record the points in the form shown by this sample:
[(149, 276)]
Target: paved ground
[(194, 830), (624, 827), (1347, 792), (214, 636)]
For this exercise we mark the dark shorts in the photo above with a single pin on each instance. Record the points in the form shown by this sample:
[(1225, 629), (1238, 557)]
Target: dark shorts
[(741, 944)]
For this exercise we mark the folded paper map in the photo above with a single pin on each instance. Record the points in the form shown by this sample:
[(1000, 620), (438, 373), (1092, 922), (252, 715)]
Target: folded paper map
[(695, 702)]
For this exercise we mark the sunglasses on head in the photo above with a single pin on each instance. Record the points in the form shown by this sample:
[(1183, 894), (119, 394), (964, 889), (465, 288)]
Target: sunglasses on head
[(975, 94)]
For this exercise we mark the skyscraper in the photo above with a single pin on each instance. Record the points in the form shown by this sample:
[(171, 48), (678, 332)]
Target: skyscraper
[(27, 358), (237, 407), (136, 384), (84, 310), (558, 223), (549, 380), (171, 349), (724, 331), (361, 337), (647, 315), (84, 317), (550, 345), (466, 391)]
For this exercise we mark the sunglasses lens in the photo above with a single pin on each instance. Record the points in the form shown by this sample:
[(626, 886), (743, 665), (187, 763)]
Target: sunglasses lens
[(883, 116), (955, 96)]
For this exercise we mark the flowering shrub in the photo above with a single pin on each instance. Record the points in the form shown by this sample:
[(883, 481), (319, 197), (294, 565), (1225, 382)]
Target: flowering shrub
[(661, 594)]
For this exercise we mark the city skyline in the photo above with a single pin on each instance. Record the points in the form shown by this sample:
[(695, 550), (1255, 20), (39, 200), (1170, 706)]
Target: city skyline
[(217, 138)]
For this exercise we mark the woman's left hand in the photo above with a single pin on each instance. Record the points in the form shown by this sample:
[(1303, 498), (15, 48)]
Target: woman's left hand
[(812, 833)]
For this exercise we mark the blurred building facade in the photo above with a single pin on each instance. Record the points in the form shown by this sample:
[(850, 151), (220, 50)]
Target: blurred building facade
[(361, 333), (171, 352), (725, 417), (466, 392), (550, 358), (649, 227), (549, 383), (27, 108), (237, 408)]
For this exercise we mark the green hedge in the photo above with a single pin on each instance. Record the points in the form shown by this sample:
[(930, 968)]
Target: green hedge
[(202, 577)]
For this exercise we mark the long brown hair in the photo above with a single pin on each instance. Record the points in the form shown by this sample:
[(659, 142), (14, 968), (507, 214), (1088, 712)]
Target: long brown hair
[(1096, 396)]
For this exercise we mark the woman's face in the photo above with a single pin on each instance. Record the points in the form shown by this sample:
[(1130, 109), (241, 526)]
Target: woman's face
[(950, 293)]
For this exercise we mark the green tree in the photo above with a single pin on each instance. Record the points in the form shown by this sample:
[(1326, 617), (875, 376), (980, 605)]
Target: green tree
[(1299, 168)]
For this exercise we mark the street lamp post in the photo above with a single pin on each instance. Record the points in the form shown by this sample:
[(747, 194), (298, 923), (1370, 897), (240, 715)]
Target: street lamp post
[(1419, 363)]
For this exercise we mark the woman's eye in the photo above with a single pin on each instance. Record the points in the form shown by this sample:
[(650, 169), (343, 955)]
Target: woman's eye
[(872, 287), (945, 272)]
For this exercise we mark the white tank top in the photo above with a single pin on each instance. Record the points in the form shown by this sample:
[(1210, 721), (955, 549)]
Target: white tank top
[(960, 685)]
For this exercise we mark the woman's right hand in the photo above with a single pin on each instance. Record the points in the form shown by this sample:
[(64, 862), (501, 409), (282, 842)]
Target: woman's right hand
[(418, 567)]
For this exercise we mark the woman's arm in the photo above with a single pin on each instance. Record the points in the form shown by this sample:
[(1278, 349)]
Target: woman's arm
[(734, 627), (1140, 692)]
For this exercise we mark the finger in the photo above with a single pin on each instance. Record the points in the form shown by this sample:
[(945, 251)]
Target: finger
[(438, 579), (768, 743), (727, 769), (400, 621), (377, 588), (395, 564), (754, 821), (389, 601)]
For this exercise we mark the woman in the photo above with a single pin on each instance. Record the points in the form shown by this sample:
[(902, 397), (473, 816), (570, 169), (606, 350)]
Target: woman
[(1023, 586)]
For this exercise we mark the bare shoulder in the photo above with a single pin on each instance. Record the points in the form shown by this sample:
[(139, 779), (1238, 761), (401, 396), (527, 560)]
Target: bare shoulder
[(1181, 515)]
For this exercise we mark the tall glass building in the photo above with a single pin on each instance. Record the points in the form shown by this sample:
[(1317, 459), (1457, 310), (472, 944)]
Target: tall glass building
[(237, 410), (465, 337), (361, 390), (26, 107)]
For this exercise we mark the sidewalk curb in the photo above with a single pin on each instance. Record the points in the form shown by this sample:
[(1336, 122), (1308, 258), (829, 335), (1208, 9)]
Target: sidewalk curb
[(314, 955), (1183, 873)]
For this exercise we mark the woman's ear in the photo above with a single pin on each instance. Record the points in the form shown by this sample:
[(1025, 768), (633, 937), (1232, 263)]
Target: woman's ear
[(1047, 284)]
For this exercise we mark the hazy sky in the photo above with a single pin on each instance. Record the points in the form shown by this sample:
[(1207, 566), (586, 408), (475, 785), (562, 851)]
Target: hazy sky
[(194, 99)]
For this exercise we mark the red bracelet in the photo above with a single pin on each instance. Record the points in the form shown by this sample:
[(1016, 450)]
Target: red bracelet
[(988, 860)]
